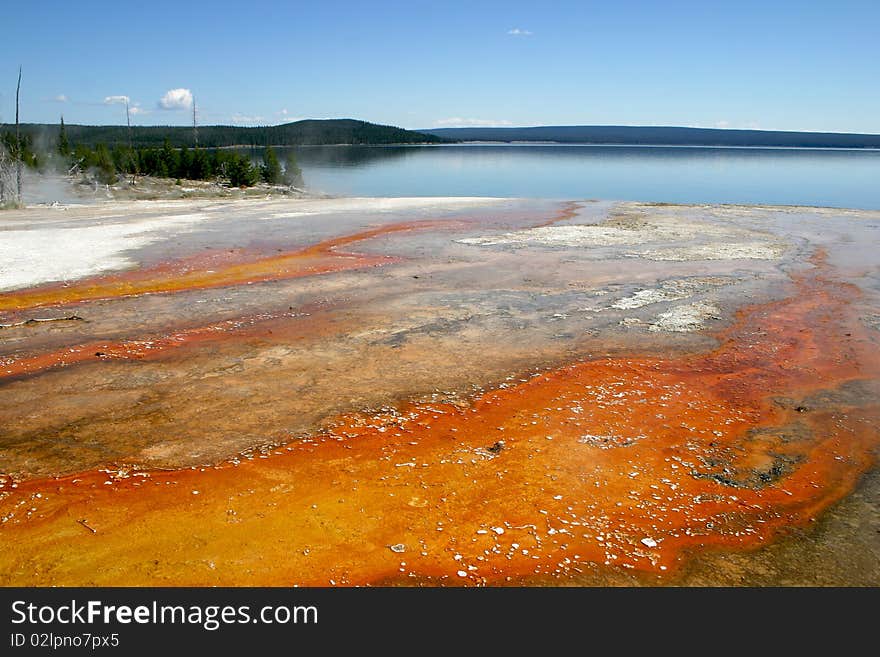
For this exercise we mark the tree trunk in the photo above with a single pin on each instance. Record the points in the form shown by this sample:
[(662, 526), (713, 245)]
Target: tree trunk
[(131, 156), (195, 126), (18, 139)]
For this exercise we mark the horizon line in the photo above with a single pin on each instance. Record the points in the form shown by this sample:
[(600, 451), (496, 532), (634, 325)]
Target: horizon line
[(464, 127)]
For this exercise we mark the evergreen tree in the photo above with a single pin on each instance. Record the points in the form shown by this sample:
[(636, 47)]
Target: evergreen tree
[(218, 163), (292, 172), (145, 160), (63, 143), (83, 156), (123, 159), (184, 163), (21, 148), (105, 169), (201, 166), (168, 159), (271, 169), (241, 172)]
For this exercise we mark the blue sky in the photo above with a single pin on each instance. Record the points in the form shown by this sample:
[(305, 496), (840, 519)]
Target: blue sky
[(810, 65)]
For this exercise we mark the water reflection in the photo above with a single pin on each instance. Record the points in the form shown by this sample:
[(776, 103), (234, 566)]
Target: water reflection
[(838, 178)]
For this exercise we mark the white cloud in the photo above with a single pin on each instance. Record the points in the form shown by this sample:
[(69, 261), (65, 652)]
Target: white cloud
[(460, 122), (134, 107), (722, 124), (519, 32), (60, 98), (244, 119), (751, 125), (285, 116), (176, 99)]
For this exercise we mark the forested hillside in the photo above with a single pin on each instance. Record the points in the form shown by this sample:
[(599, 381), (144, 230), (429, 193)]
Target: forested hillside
[(319, 132)]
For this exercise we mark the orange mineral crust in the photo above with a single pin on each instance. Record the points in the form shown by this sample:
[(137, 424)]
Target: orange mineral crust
[(567, 212), (616, 463), (320, 258)]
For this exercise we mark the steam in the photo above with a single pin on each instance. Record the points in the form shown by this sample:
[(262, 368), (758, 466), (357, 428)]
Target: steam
[(49, 188), (7, 177)]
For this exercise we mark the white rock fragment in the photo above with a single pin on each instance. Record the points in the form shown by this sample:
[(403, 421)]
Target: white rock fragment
[(718, 251), (669, 290), (649, 542), (686, 318)]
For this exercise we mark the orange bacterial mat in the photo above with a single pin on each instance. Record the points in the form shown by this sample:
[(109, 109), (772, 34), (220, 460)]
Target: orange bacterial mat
[(622, 463)]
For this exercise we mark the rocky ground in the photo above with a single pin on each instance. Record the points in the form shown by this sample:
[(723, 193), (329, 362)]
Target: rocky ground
[(52, 188), (694, 383)]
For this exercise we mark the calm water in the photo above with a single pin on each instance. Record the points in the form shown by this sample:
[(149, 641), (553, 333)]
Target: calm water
[(838, 178)]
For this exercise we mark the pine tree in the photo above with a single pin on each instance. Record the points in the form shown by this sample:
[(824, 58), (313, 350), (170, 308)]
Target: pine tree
[(168, 160), (201, 166), (271, 169), (106, 170), (83, 156), (292, 172), (184, 163), (241, 172), (63, 143)]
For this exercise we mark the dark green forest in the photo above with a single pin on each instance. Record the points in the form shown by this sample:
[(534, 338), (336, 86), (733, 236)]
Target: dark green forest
[(659, 136), (62, 151), (182, 153), (310, 132), (182, 163), (107, 162)]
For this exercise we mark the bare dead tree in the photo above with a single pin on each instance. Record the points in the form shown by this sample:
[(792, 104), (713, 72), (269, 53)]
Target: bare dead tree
[(76, 167), (130, 148), (11, 160), (128, 122), (4, 165), (195, 126), (18, 140)]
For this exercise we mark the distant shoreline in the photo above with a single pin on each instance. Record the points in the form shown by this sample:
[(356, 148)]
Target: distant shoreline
[(350, 132), (661, 136), (562, 143)]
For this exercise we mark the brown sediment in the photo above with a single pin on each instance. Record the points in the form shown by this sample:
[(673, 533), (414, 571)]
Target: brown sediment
[(320, 258), (41, 320), (205, 270), (147, 348), (628, 463)]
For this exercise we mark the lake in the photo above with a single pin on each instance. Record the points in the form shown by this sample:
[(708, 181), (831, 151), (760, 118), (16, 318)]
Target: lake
[(778, 176)]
